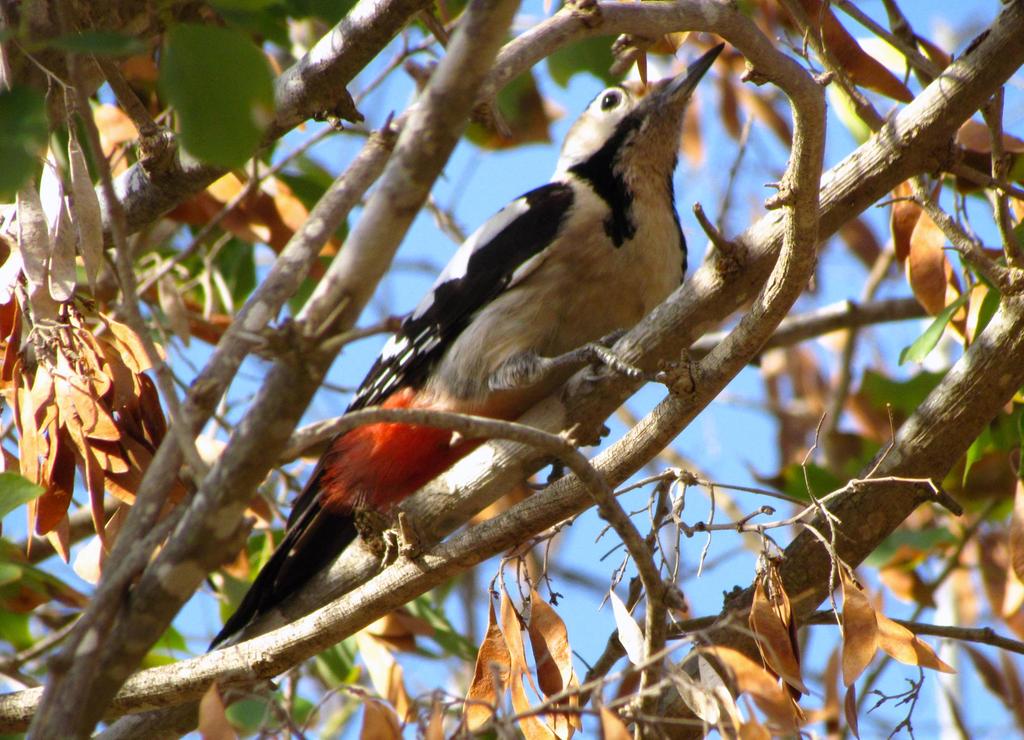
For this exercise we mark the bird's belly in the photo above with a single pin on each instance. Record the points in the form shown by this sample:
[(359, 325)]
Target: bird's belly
[(586, 291)]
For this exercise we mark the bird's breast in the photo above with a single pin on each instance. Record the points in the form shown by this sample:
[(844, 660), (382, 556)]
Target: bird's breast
[(583, 288)]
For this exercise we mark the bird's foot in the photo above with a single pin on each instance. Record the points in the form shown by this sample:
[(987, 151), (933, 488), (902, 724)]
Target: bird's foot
[(528, 369), (388, 536), (376, 530), (409, 544)]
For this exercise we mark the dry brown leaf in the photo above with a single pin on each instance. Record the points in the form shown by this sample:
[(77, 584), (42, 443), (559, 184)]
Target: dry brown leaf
[(94, 368), (110, 456), (33, 235), (860, 632), (762, 107), (435, 725), (693, 143), (88, 219), (977, 300), (860, 239), (550, 642), (97, 423), (150, 411), (929, 271), (54, 502), (1014, 597), (60, 539), (1014, 690), (552, 657), (613, 728), (991, 675), (34, 246), (903, 645), (173, 306), (124, 383), (511, 626), (701, 701), (771, 620), (902, 219), (850, 710), (862, 68), (62, 275), (386, 674), (493, 663), (904, 582), (993, 562), (129, 346), (728, 105), (398, 629), (974, 136), (1016, 533), (270, 213), (42, 398), (764, 688), (379, 722), (754, 730), (30, 442)]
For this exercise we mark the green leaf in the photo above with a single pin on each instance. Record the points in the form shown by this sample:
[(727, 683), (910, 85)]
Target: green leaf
[(593, 55), (821, 480), (236, 262), (220, 86), (14, 628), (162, 651), (337, 665), (919, 540), (16, 490), (1020, 437), (22, 137), (330, 11), (427, 609), (249, 715), (925, 343), (989, 306), (974, 453), (904, 396), (103, 43), (247, 5)]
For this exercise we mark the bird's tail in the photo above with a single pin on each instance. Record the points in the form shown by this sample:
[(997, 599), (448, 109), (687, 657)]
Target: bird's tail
[(313, 540)]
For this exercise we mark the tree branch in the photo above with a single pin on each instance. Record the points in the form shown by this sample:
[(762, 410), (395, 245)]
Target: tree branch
[(313, 85)]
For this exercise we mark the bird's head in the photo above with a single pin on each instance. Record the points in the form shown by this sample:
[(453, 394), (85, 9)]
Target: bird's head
[(634, 125)]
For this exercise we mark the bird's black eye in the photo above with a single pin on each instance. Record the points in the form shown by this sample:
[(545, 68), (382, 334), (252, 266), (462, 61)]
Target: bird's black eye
[(610, 100)]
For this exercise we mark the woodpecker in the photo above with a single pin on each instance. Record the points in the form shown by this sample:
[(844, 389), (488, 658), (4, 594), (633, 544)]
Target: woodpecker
[(584, 256)]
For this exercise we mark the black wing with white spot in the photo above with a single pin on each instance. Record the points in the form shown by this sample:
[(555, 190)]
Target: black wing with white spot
[(481, 268)]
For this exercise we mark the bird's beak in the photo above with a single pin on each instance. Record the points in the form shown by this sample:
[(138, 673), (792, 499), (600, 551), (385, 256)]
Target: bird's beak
[(680, 87)]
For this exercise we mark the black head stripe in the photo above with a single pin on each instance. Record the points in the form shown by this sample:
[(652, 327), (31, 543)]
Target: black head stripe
[(426, 334), (599, 171), (670, 186)]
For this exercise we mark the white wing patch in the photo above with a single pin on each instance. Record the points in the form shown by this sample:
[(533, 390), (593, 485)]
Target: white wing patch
[(458, 266)]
